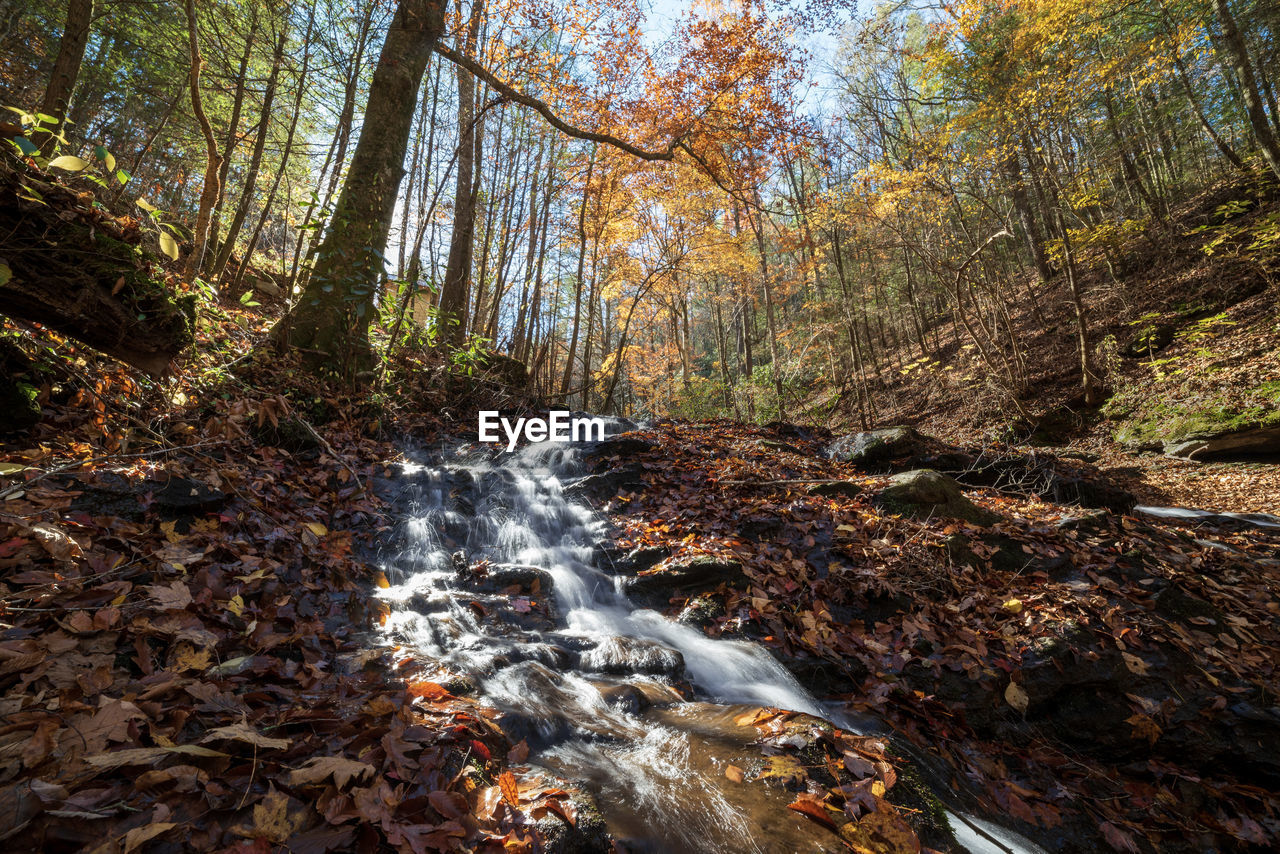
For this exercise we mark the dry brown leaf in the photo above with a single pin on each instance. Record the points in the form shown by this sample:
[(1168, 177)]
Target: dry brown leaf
[(1015, 696), (320, 768), (139, 835), (171, 597), (243, 732)]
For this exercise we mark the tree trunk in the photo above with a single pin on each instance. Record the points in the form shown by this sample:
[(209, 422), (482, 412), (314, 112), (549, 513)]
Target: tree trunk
[(233, 136), (452, 314), (775, 366), (212, 189), (66, 68), (285, 154), (255, 159), (333, 315), (577, 287)]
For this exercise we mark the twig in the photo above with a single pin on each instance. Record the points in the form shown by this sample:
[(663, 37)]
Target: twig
[(329, 449), (19, 487)]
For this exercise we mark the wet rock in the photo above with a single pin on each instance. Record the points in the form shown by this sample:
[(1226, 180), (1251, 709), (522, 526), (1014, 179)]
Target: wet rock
[(598, 488), (638, 560), (697, 573), (836, 489), (927, 493), (501, 578), (625, 698), (874, 446), (775, 445), (433, 602), (701, 611), (624, 655), (588, 833)]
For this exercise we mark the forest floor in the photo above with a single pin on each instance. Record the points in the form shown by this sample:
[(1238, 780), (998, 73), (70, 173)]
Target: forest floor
[(1208, 279)]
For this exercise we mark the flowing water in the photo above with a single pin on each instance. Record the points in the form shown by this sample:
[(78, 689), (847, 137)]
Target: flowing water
[(592, 682)]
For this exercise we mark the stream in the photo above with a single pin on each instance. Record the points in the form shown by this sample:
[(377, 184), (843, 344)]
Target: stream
[(639, 710)]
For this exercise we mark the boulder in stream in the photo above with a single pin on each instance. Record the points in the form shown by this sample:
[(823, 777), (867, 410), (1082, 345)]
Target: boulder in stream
[(626, 655)]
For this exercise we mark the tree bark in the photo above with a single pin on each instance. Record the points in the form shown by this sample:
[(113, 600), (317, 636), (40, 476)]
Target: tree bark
[(212, 188), (334, 312), (66, 69), (452, 314)]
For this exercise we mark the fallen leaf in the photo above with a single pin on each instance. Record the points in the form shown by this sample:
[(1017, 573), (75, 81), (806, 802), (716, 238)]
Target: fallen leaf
[(812, 807), (243, 732), (319, 768), (171, 597), (139, 835), (510, 788), (1015, 696)]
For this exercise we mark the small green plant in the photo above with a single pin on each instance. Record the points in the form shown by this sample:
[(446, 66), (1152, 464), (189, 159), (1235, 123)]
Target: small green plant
[(1205, 329), (471, 355)]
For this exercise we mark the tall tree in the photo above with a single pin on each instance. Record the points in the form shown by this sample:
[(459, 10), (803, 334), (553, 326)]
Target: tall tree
[(331, 320), (212, 188), (451, 318)]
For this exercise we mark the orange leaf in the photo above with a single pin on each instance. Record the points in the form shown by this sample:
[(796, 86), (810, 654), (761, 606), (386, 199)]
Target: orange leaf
[(510, 789), (430, 691), (810, 806)]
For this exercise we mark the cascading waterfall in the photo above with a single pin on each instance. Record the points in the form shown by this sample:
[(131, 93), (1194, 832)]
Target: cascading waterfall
[(558, 673)]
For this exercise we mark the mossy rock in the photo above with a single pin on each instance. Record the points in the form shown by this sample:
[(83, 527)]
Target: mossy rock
[(836, 489), (925, 493), (1204, 429), (873, 447)]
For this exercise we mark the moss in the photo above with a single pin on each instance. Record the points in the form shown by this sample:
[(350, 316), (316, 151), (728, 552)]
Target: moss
[(924, 812), (146, 295), (1148, 424)]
